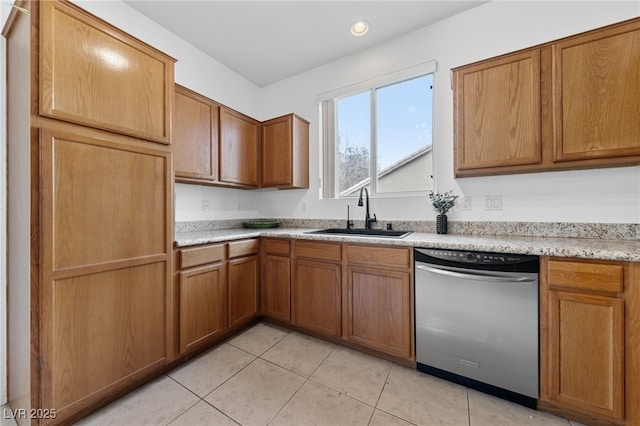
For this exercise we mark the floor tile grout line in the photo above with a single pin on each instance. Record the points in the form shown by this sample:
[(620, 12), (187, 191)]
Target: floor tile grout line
[(288, 400), (266, 350), (284, 368), (323, 360), (307, 379), (220, 411), (230, 377), (384, 385), (375, 406)]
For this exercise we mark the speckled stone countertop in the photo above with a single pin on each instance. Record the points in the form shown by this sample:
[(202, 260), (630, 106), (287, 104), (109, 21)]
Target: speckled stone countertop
[(587, 248)]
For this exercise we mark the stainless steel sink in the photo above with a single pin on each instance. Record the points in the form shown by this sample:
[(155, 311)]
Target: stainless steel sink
[(383, 233)]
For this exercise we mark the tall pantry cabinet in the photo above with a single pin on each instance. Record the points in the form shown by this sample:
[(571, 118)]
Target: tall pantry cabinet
[(90, 211)]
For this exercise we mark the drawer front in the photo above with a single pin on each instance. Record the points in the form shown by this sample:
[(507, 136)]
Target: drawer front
[(593, 276), (201, 255), (243, 248), (379, 256), (277, 247), (314, 250)]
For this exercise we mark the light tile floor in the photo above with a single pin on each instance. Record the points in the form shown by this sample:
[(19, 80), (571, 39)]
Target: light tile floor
[(271, 376)]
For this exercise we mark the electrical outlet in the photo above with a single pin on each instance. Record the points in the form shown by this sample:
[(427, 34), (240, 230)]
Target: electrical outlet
[(304, 206), (493, 202), (205, 205), (465, 204)]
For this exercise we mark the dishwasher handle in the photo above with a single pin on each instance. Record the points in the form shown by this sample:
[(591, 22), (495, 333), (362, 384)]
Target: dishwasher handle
[(476, 277)]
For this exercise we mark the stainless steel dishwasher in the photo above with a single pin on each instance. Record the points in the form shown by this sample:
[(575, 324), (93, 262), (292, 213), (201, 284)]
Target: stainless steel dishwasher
[(477, 320)]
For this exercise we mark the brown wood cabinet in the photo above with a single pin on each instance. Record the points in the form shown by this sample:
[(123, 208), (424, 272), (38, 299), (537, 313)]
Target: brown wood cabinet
[(566, 104), (276, 279), (195, 137), (285, 152), (379, 312), (317, 287), (239, 149), (218, 290), (103, 250), (215, 145), (202, 296), (97, 232), (244, 281), (582, 337), (497, 112), (93, 74), (360, 295), (596, 92)]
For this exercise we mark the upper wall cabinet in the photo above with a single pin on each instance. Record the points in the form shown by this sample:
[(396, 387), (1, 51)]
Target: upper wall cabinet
[(497, 121), (239, 148), (567, 104), (215, 145), (285, 152), (597, 94), (95, 75), (195, 136)]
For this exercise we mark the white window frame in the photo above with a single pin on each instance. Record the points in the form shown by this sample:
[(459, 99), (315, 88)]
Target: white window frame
[(328, 119)]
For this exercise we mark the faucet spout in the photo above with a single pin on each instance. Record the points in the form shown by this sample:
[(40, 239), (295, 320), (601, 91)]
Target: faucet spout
[(367, 218)]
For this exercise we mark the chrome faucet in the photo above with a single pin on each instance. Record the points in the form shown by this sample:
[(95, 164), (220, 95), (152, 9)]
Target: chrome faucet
[(367, 218)]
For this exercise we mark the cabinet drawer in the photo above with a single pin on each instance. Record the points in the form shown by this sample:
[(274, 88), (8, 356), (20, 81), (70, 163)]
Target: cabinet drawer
[(379, 256), (314, 250), (278, 247), (243, 248), (201, 255), (585, 275)]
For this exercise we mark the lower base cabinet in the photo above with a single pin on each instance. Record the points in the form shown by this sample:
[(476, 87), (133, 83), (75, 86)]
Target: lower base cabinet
[(218, 289), (317, 287), (379, 314), (583, 338), (359, 294), (380, 299), (276, 279), (244, 281), (203, 298)]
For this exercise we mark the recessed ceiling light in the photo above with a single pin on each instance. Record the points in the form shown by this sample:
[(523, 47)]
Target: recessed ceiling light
[(359, 28)]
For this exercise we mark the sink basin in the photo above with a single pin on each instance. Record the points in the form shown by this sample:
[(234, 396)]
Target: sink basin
[(384, 233)]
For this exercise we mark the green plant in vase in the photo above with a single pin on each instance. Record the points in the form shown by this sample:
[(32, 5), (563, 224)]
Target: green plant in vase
[(442, 203)]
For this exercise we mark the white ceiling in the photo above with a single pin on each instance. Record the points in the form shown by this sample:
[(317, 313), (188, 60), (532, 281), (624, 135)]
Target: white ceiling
[(267, 41)]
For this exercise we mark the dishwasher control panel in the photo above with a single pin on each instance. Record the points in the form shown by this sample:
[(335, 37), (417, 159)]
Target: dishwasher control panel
[(476, 258)]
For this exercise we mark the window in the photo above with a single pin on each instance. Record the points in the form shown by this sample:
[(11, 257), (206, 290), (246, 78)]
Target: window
[(379, 138)]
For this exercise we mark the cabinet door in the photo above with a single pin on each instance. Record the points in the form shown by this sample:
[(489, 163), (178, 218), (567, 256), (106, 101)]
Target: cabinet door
[(285, 152), (317, 296), (94, 74), (104, 266), (276, 287), (195, 136), (203, 305), (497, 113), (244, 297), (379, 309), (597, 99), (239, 146), (586, 353)]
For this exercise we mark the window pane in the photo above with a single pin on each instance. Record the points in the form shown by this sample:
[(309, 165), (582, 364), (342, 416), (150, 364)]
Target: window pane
[(353, 144), (404, 136)]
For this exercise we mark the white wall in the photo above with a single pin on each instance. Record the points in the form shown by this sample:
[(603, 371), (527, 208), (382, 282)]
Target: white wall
[(4, 13), (602, 195)]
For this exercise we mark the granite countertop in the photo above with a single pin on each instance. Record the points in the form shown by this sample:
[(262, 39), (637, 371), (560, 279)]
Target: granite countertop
[(587, 248)]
